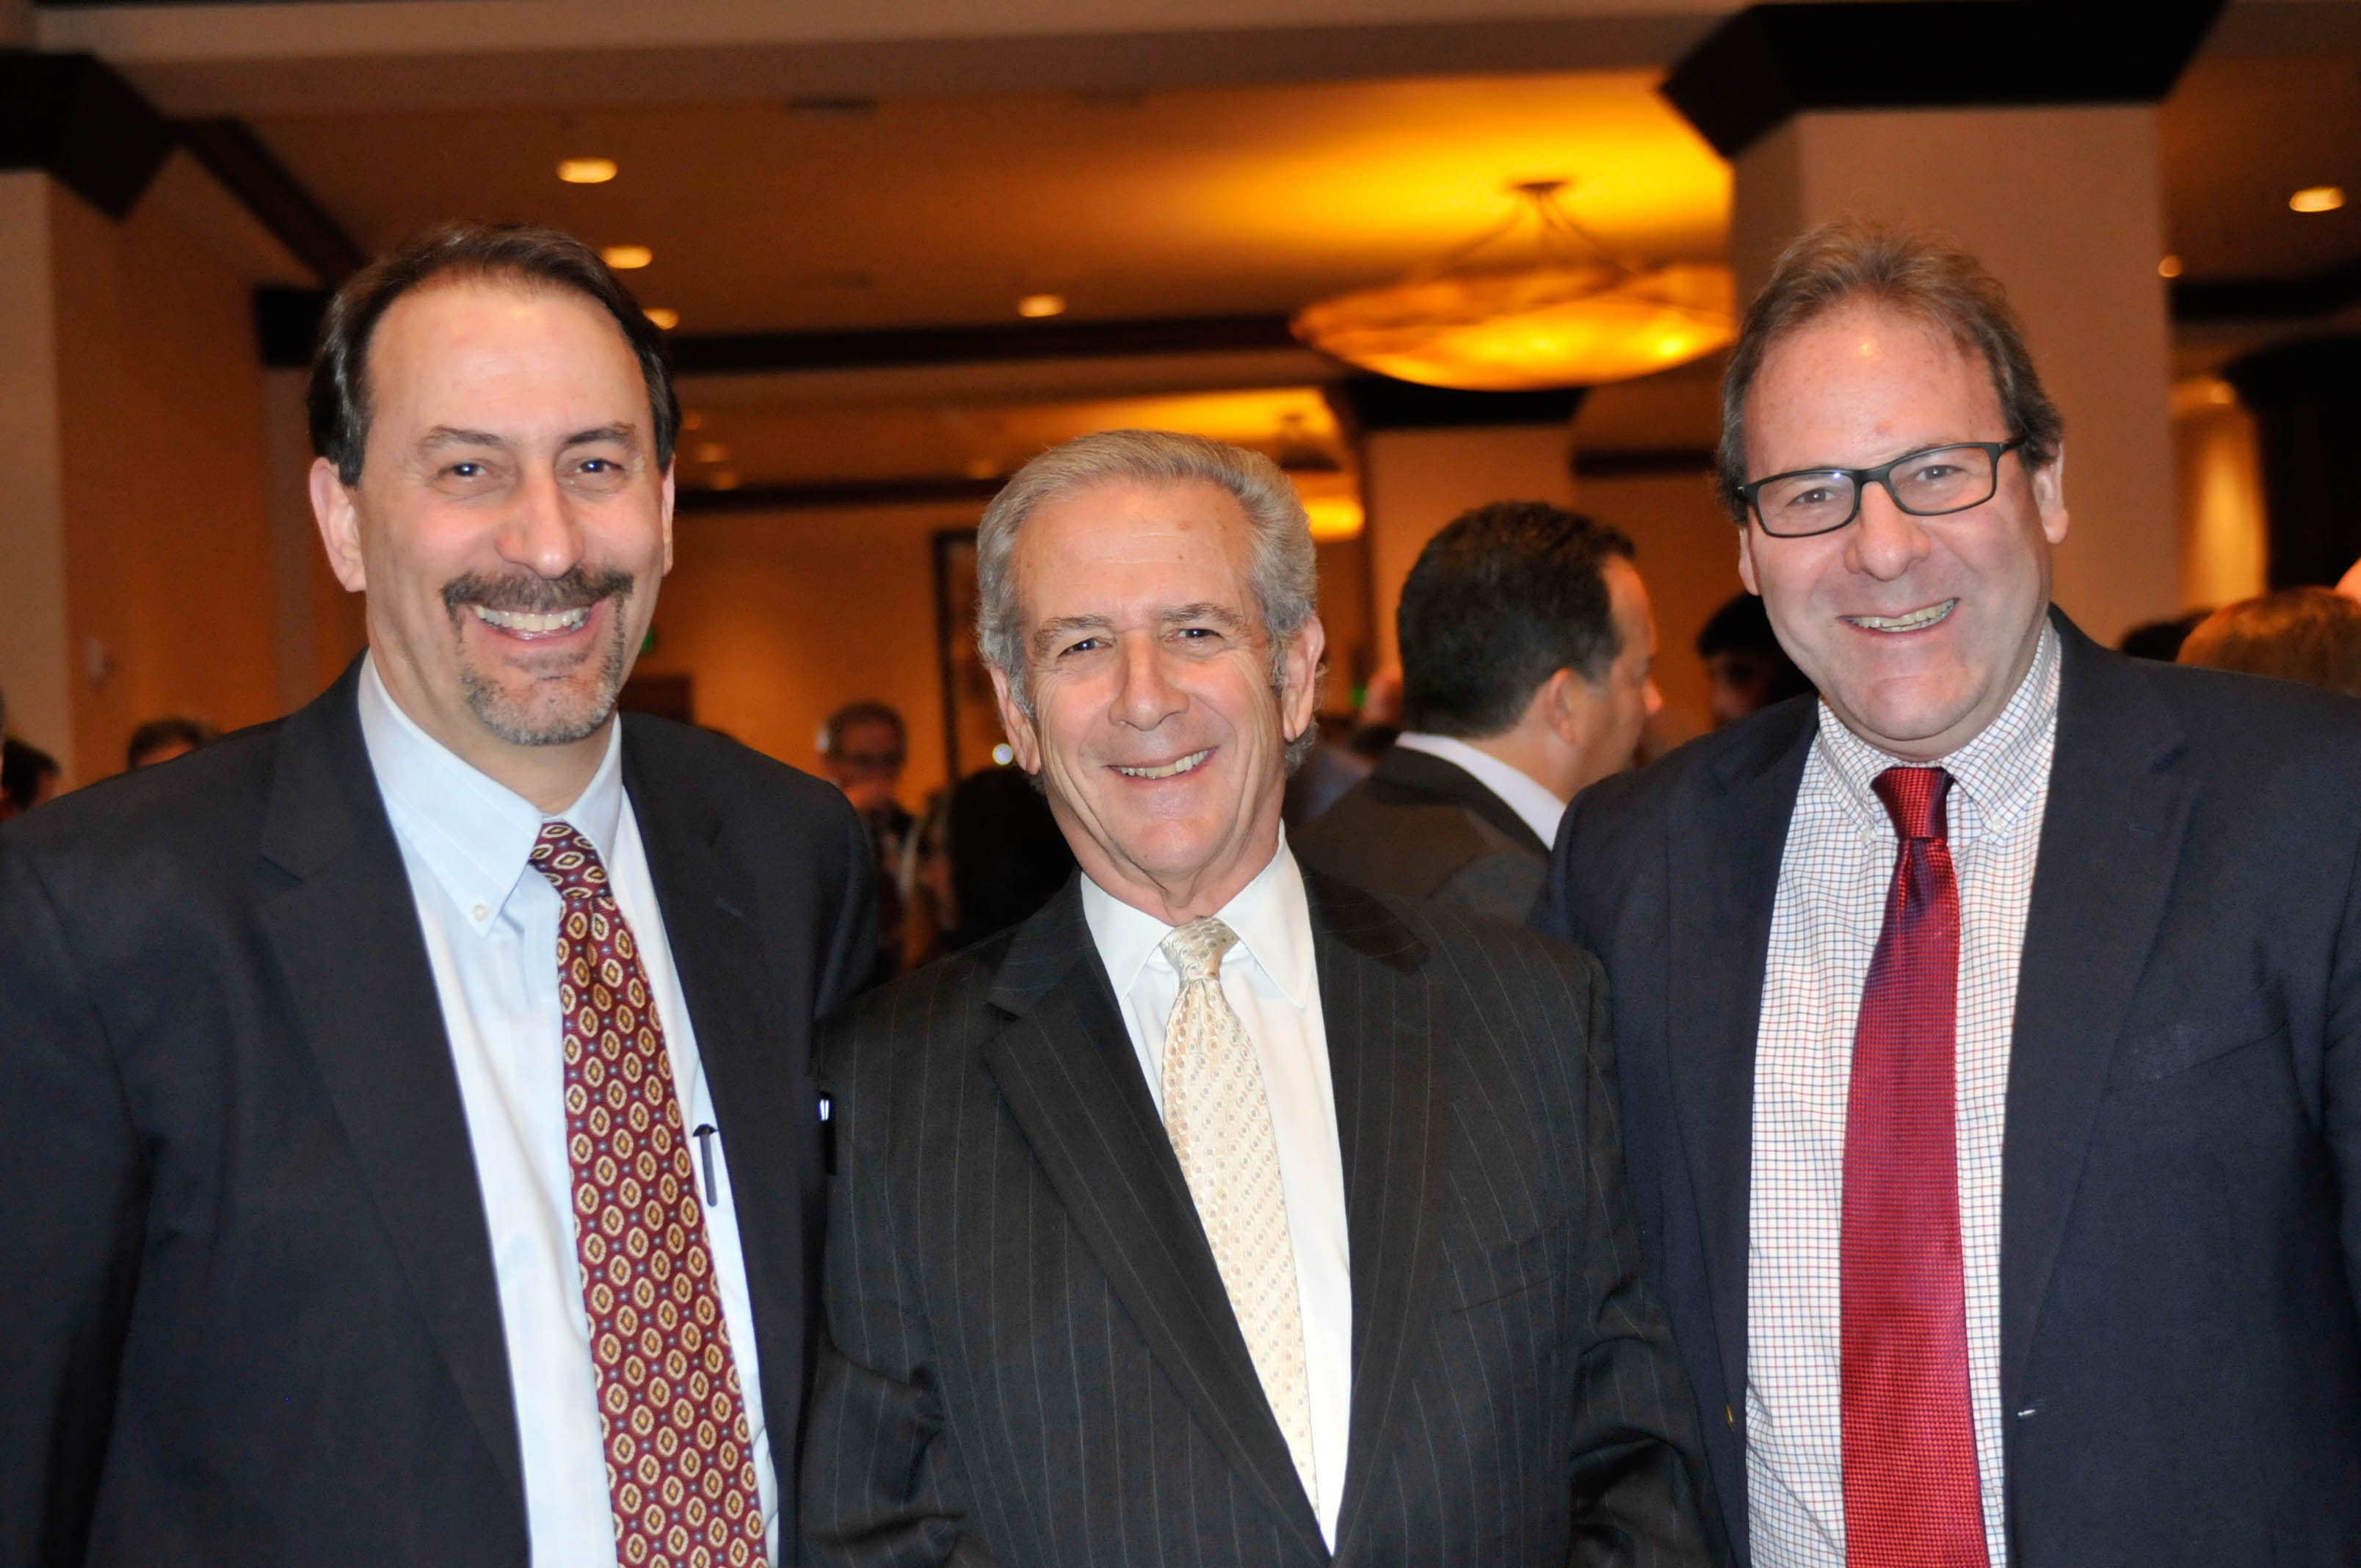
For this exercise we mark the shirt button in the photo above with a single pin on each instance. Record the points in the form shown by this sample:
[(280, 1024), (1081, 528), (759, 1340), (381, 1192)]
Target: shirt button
[(480, 913)]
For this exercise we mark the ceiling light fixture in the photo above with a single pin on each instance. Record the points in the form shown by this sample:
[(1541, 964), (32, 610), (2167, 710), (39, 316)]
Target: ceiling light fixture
[(626, 258), (2317, 199), (664, 317), (1036, 306), (2168, 267), (712, 452), (1537, 301), (586, 170)]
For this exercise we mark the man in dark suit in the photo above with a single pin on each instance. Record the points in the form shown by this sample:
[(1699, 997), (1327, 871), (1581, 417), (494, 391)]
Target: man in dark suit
[(1526, 643), (1223, 1214), (409, 1149), (1990, 1029)]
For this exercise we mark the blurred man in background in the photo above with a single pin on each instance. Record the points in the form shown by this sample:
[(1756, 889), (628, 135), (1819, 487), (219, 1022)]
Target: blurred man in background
[(864, 747), (1745, 669), (1526, 643), (161, 739), (2313, 635)]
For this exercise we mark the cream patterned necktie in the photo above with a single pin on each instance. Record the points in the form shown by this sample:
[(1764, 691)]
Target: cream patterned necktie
[(1218, 1118)]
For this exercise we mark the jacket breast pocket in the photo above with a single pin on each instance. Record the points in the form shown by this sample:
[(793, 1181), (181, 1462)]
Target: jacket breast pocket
[(1498, 1272), (2202, 1035)]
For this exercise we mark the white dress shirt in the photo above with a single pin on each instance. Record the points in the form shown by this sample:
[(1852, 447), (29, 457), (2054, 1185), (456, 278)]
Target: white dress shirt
[(1833, 877), (490, 926), (1269, 981), (1540, 809)]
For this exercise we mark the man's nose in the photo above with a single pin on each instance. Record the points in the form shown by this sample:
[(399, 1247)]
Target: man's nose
[(1146, 698), (539, 532), (1885, 541)]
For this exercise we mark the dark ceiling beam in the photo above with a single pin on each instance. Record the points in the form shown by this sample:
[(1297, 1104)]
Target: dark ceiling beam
[(1365, 403), (1768, 64), (2321, 294), (721, 354), (234, 155), (75, 117), (841, 495)]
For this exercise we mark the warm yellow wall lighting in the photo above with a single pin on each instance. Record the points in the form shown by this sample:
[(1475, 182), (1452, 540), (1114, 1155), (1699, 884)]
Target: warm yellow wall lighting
[(1333, 518), (586, 170), (712, 452), (2168, 267), (626, 258), (2317, 199), (666, 318), (1039, 305), (724, 480)]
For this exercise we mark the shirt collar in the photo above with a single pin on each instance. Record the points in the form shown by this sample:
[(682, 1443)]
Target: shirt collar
[(475, 834), (1270, 914), (1994, 777), (1522, 794)]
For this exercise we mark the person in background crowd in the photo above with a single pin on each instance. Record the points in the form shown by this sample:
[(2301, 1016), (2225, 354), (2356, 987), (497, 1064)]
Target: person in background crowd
[(1745, 669), (1990, 1030), (161, 739), (29, 777), (2313, 635), (1526, 643), (1378, 718), (2160, 639), (1223, 1214), (2349, 584), (864, 747), (1006, 857), (409, 1149)]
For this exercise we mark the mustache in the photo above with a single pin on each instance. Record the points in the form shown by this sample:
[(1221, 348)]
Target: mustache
[(528, 593)]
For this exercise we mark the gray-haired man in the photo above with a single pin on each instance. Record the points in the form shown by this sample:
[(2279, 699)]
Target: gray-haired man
[(1222, 1214)]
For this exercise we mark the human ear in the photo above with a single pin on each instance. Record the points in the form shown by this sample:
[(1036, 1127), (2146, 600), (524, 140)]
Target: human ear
[(1299, 693), (333, 510)]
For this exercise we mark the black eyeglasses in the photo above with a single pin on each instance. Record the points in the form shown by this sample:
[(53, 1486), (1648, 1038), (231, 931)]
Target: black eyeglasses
[(1927, 483)]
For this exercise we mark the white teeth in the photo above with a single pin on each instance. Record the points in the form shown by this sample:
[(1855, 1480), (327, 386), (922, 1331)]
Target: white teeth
[(1915, 620), (1169, 770), (533, 624)]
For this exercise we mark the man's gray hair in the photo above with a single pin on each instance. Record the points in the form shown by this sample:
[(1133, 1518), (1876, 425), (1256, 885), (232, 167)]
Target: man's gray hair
[(1284, 573)]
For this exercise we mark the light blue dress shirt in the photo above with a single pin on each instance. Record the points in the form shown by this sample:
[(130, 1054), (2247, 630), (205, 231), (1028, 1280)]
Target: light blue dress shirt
[(490, 926)]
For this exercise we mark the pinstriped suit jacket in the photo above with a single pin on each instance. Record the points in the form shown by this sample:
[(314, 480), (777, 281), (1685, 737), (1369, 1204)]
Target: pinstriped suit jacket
[(1031, 1359)]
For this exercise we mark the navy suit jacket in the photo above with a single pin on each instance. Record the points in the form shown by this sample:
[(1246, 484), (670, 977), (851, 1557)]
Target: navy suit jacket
[(2180, 1361)]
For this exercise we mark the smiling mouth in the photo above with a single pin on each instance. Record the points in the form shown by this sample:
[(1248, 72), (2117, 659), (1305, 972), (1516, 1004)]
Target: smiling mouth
[(1169, 770), (1917, 621), (533, 623)]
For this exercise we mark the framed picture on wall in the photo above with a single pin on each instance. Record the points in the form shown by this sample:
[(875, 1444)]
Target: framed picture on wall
[(970, 721)]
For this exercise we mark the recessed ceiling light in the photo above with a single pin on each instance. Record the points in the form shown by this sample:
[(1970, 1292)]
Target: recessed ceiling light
[(2168, 267), (664, 316), (626, 258), (712, 452), (726, 479), (586, 170), (692, 419), (1037, 305), (2222, 393), (2317, 199)]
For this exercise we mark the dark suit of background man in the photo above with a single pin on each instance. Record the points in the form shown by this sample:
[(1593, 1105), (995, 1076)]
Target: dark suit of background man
[(1222, 1214), (1526, 643), (341, 1227), (1990, 1030)]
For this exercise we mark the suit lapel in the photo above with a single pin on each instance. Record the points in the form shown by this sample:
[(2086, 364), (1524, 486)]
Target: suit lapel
[(1448, 781), (1065, 1066), (718, 953), (2111, 837), (1393, 1116), (1723, 879), (346, 936)]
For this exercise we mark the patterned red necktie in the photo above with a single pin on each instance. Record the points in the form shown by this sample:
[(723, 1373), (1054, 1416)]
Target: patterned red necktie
[(680, 1461), (1910, 1489)]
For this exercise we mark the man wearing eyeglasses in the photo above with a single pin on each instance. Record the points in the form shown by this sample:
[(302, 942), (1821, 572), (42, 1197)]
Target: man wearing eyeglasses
[(1989, 1028)]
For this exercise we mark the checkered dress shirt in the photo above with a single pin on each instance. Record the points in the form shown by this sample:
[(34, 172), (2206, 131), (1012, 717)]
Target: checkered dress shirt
[(1833, 877)]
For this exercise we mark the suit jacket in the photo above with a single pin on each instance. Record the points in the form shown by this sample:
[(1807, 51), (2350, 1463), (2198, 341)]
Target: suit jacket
[(1420, 827), (2180, 1365), (251, 1314), (1033, 1361)]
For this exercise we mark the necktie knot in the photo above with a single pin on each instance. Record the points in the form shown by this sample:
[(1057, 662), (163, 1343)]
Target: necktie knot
[(1196, 948), (1914, 797), (570, 862)]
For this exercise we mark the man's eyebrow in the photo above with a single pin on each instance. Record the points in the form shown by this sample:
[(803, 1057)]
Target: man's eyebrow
[(1050, 631), (620, 433), (443, 435), (1221, 614)]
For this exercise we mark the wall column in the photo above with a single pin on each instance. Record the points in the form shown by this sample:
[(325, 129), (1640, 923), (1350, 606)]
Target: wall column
[(2054, 181), (35, 654)]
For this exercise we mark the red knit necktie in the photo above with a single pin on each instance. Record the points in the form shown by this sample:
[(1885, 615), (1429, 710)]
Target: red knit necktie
[(1910, 1491), (680, 1461)]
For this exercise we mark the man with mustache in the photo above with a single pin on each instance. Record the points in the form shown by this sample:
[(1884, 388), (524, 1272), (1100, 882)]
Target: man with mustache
[(410, 1152), (1991, 1026), (1222, 1214)]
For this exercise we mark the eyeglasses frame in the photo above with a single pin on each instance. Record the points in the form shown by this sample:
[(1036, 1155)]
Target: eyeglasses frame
[(1883, 476)]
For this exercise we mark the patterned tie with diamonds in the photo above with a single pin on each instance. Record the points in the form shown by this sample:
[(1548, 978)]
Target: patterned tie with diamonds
[(680, 1461), (1218, 1118), (1911, 1497)]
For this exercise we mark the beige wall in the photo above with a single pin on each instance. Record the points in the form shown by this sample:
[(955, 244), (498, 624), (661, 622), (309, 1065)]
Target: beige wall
[(36, 658), (2065, 205), (2224, 544)]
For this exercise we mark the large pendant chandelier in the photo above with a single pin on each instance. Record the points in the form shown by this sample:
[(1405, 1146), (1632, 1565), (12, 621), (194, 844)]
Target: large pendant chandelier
[(1536, 303)]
